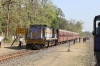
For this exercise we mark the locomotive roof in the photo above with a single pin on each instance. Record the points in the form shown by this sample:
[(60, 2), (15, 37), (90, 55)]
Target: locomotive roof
[(45, 26), (38, 25)]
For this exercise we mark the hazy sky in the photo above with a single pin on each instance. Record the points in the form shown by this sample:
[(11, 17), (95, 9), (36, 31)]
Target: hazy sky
[(84, 10)]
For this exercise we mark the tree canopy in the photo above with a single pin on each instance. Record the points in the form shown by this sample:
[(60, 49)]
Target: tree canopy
[(22, 13)]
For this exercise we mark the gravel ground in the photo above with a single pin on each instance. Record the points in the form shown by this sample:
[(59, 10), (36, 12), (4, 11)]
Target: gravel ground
[(81, 54), (7, 48)]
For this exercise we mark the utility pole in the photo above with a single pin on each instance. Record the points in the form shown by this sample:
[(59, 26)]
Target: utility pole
[(68, 47)]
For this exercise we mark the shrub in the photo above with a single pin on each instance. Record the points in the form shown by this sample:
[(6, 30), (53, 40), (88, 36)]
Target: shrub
[(7, 39)]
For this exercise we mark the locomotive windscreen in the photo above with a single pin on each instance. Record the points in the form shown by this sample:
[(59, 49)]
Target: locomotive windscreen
[(35, 32)]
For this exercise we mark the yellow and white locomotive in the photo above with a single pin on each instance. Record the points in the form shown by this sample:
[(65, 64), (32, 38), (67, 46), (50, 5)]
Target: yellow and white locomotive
[(39, 36)]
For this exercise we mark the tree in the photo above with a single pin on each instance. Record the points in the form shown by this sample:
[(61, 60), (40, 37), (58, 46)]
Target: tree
[(58, 20), (76, 26), (22, 13)]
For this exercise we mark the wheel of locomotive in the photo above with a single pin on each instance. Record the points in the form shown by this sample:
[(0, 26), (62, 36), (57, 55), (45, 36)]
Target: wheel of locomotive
[(36, 47), (56, 43), (46, 45)]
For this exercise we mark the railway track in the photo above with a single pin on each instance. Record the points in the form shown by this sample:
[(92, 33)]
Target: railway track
[(13, 55), (16, 54)]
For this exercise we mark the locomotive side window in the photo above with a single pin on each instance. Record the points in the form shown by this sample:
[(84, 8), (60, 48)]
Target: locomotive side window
[(98, 26)]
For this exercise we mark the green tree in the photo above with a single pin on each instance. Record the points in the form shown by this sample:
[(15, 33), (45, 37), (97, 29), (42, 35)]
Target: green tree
[(58, 20), (22, 13)]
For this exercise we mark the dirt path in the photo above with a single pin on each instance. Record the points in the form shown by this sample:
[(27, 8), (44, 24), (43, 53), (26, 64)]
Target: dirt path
[(7, 48), (78, 56), (58, 56)]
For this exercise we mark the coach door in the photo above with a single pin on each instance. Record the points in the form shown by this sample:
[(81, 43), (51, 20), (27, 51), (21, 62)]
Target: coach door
[(96, 32)]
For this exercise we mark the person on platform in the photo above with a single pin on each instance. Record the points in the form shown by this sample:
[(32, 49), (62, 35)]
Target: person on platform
[(0, 40), (20, 42)]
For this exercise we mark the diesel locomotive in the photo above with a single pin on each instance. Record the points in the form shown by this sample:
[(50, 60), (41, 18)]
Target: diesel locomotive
[(40, 36)]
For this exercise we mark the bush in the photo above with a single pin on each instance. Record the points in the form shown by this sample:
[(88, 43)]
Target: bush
[(7, 39)]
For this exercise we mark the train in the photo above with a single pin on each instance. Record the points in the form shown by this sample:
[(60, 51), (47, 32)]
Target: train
[(40, 36), (96, 39)]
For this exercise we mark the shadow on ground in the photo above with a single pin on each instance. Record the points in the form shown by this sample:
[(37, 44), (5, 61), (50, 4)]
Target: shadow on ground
[(64, 51), (16, 47)]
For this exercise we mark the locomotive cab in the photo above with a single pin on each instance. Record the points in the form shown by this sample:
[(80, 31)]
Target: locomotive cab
[(96, 33)]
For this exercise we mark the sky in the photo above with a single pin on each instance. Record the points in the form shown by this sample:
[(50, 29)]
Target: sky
[(84, 10)]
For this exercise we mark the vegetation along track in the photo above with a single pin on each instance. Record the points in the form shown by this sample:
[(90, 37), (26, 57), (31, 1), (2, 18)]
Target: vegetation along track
[(16, 54)]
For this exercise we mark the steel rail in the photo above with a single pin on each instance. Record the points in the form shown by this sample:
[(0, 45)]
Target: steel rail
[(16, 54)]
